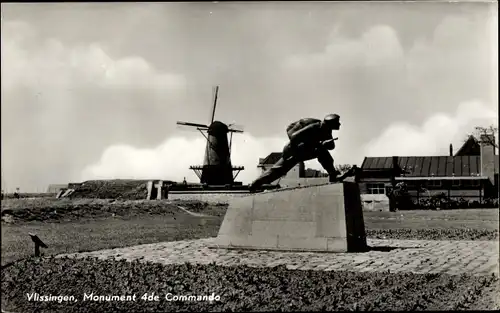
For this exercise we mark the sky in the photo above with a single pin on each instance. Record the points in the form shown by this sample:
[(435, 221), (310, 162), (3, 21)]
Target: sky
[(94, 90)]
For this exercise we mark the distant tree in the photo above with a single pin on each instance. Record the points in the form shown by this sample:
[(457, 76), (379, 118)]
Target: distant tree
[(342, 168), (490, 130)]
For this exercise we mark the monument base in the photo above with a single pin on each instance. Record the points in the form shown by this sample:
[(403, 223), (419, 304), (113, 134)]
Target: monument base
[(323, 218)]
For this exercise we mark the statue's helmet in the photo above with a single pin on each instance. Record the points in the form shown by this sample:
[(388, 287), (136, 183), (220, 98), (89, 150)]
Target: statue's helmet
[(332, 121)]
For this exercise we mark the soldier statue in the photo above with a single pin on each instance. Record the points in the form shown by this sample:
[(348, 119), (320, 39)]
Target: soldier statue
[(309, 139)]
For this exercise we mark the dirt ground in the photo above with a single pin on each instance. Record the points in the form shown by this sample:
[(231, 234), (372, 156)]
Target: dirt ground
[(239, 288), (59, 210)]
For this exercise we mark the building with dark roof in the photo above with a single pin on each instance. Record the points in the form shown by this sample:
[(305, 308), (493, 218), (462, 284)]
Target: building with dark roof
[(471, 173), (266, 163), (271, 159), (297, 176)]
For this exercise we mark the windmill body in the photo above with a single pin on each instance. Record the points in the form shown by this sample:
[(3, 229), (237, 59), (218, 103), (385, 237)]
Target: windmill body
[(217, 169)]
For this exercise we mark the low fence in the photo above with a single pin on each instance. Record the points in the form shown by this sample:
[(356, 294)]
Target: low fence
[(25, 195), (205, 197), (380, 202), (433, 202)]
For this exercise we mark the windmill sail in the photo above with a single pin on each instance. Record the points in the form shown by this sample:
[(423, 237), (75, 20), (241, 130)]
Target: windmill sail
[(192, 124), (235, 128), (214, 106)]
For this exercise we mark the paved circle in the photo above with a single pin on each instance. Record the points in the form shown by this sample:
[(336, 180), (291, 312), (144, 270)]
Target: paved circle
[(417, 256)]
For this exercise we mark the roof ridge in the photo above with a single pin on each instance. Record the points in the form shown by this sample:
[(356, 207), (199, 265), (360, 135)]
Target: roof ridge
[(461, 165)]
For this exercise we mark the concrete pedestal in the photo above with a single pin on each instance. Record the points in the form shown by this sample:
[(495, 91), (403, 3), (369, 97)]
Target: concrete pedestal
[(314, 218)]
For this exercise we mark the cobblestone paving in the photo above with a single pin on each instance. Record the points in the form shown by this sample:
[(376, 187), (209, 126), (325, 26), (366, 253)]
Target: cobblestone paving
[(417, 256)]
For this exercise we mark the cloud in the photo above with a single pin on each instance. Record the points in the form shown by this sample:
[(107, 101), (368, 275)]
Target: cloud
[(378, 46), (385, 84), (55, 65), (172, 158), (434, 135), (445, 63)]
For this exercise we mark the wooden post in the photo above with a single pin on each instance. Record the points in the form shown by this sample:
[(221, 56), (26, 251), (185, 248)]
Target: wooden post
[(418, 192), (480, 192), (395, 172), (150, 187), (38, 243), (167, 188), (158, 186), (449, 189)]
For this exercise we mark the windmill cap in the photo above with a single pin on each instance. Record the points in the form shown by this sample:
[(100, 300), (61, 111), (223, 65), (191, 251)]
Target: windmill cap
[(218, 128)]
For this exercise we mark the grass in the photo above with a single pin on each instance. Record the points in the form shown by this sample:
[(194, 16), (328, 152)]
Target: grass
[(436, 223), (459, 214), (104, 233), (485, 219), (22, 204)]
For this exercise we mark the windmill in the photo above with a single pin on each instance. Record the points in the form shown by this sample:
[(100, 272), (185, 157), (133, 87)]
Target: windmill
[(217, 169)]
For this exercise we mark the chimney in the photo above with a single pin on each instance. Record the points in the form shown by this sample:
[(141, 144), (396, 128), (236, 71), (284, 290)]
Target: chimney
[(395, 161), (489, 161), (396, 171), (451, 149)]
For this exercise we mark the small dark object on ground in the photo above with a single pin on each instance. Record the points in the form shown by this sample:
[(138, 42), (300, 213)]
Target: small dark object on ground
[(386, 249), (38, 243)]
